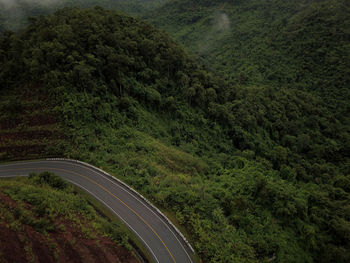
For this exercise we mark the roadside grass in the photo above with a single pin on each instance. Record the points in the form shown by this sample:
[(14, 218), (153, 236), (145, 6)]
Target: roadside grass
[(137, 246), (147, 164), (172, 216), (143, 153), (39, 201)]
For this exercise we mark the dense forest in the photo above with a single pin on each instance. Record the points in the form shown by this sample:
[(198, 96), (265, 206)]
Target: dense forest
[(255, 171), (295, 44)]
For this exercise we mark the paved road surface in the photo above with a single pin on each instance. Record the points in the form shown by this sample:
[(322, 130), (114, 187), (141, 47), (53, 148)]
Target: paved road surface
[(162, 241)]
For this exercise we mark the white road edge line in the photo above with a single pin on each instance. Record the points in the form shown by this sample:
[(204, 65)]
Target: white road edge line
[(133, 193), (140, 201), (96, 170), (103, 202)]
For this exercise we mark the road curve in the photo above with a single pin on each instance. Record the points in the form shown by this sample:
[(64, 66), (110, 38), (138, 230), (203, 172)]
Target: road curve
[(159, 237)]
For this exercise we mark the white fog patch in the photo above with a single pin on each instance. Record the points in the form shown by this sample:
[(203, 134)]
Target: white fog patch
[(222, 22), (14, 13), (221, 25), (8, 4)]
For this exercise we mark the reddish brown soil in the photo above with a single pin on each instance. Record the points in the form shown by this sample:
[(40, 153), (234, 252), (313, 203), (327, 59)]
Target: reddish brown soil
[(24, 150), (11, 247), (10, 124), (68, 245), (41, 120), (33, 98), (27, 135)]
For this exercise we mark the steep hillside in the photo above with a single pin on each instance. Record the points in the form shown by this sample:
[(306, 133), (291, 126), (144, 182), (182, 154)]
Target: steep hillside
[(300, 44), (35, 227), (253, 173)]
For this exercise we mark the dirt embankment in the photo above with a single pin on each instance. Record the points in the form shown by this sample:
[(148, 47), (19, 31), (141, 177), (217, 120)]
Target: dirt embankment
[(22, 243)]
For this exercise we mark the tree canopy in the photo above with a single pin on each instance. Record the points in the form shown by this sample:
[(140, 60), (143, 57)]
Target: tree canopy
[(255, 173)]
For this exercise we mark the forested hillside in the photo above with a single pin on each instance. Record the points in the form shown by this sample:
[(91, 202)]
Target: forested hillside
[(299, 44), (253, 173)]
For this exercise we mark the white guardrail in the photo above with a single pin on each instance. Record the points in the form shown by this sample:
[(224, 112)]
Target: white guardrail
[(132, 190)]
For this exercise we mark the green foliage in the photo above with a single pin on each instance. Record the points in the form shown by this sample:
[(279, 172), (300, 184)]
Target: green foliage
[(50, 179), (122, 52), (254, 173), (295, 44), (46, 193)]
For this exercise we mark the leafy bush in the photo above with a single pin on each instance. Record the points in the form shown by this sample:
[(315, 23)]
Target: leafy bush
[(50, 179)]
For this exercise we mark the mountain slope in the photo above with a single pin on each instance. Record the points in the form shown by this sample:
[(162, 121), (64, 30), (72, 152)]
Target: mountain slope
[(254, 174), (299, 44)]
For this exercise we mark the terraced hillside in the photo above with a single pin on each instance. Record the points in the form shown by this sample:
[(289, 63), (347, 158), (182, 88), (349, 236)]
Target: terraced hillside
[(29, 126)]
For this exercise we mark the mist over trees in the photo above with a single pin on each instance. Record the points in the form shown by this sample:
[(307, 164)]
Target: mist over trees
[(254, 172)]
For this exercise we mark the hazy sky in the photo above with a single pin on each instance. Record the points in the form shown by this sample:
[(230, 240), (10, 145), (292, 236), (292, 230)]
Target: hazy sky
[(13, 12), (9, 4)]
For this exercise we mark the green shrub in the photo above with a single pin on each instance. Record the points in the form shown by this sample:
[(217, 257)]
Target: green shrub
[(50, 179)]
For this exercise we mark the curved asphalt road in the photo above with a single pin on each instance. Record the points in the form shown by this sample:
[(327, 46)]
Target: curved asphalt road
[(162, 241)]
